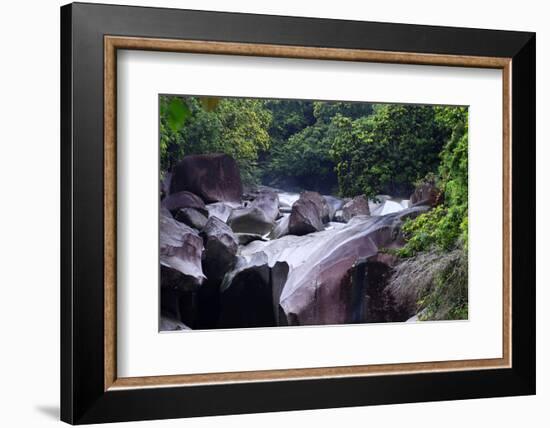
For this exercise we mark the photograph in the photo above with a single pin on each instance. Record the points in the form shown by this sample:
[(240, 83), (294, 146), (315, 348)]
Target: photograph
[(288, 212)]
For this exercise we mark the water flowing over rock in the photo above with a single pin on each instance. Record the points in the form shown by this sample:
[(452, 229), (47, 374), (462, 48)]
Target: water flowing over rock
[(334, 204), (213, 177), (388, 207), (357, 206), (309, 213), (191, 217), (220, 249), (281, 227), (258, 217), (183, 199), (180, 255)]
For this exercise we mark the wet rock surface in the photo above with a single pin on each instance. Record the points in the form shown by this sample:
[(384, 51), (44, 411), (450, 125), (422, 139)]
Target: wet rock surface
[(258, 216), (274, 258), (212, 177), (176, 201), (221, 247), (180, 255), (308, 214), (357, 206), (191, 217)]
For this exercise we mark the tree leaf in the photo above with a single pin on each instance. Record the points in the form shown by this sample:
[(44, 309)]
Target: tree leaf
[(177, 113)]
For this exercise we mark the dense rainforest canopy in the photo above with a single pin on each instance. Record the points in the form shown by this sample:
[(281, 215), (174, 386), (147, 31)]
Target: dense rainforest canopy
[(342, 148)]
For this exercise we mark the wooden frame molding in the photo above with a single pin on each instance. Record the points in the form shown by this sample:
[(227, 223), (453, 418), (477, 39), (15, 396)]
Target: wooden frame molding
[(113, 43)]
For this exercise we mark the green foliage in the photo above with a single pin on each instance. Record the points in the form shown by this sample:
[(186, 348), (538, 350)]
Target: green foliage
[(446, 226), (325, 111), (173, 114), (289, 118), (238, 127), (176, 111), (305, 157), (302, 144), (387, 151)]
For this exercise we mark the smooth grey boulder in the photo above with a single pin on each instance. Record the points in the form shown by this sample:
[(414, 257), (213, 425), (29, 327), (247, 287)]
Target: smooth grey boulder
[(250, 293), (191, 217), (357, 206), (176, 201), (221, 247), (222, 210), (309, 213), (317, 289), (258, 217), (213, 177), (180, 255)]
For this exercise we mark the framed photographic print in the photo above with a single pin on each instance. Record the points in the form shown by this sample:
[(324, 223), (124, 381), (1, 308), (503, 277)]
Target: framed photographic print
[(265, 213)]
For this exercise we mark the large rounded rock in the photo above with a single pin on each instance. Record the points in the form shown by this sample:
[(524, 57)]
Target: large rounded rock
[(320, 287), (357, 206), (221, 247), (180, 255), (309, 213), (191, 217), (222, 210), (176, 201), (250, 293), (258, 217), (213, 177)]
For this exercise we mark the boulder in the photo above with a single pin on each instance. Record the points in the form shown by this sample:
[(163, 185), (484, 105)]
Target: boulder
[(309, 213), (176, 201), (426, 194), (250, 294), (357, 206), (180, 255), (213, 177), (221, 247), (222, 210), (320, 288), (258, 217), (191, 217)]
